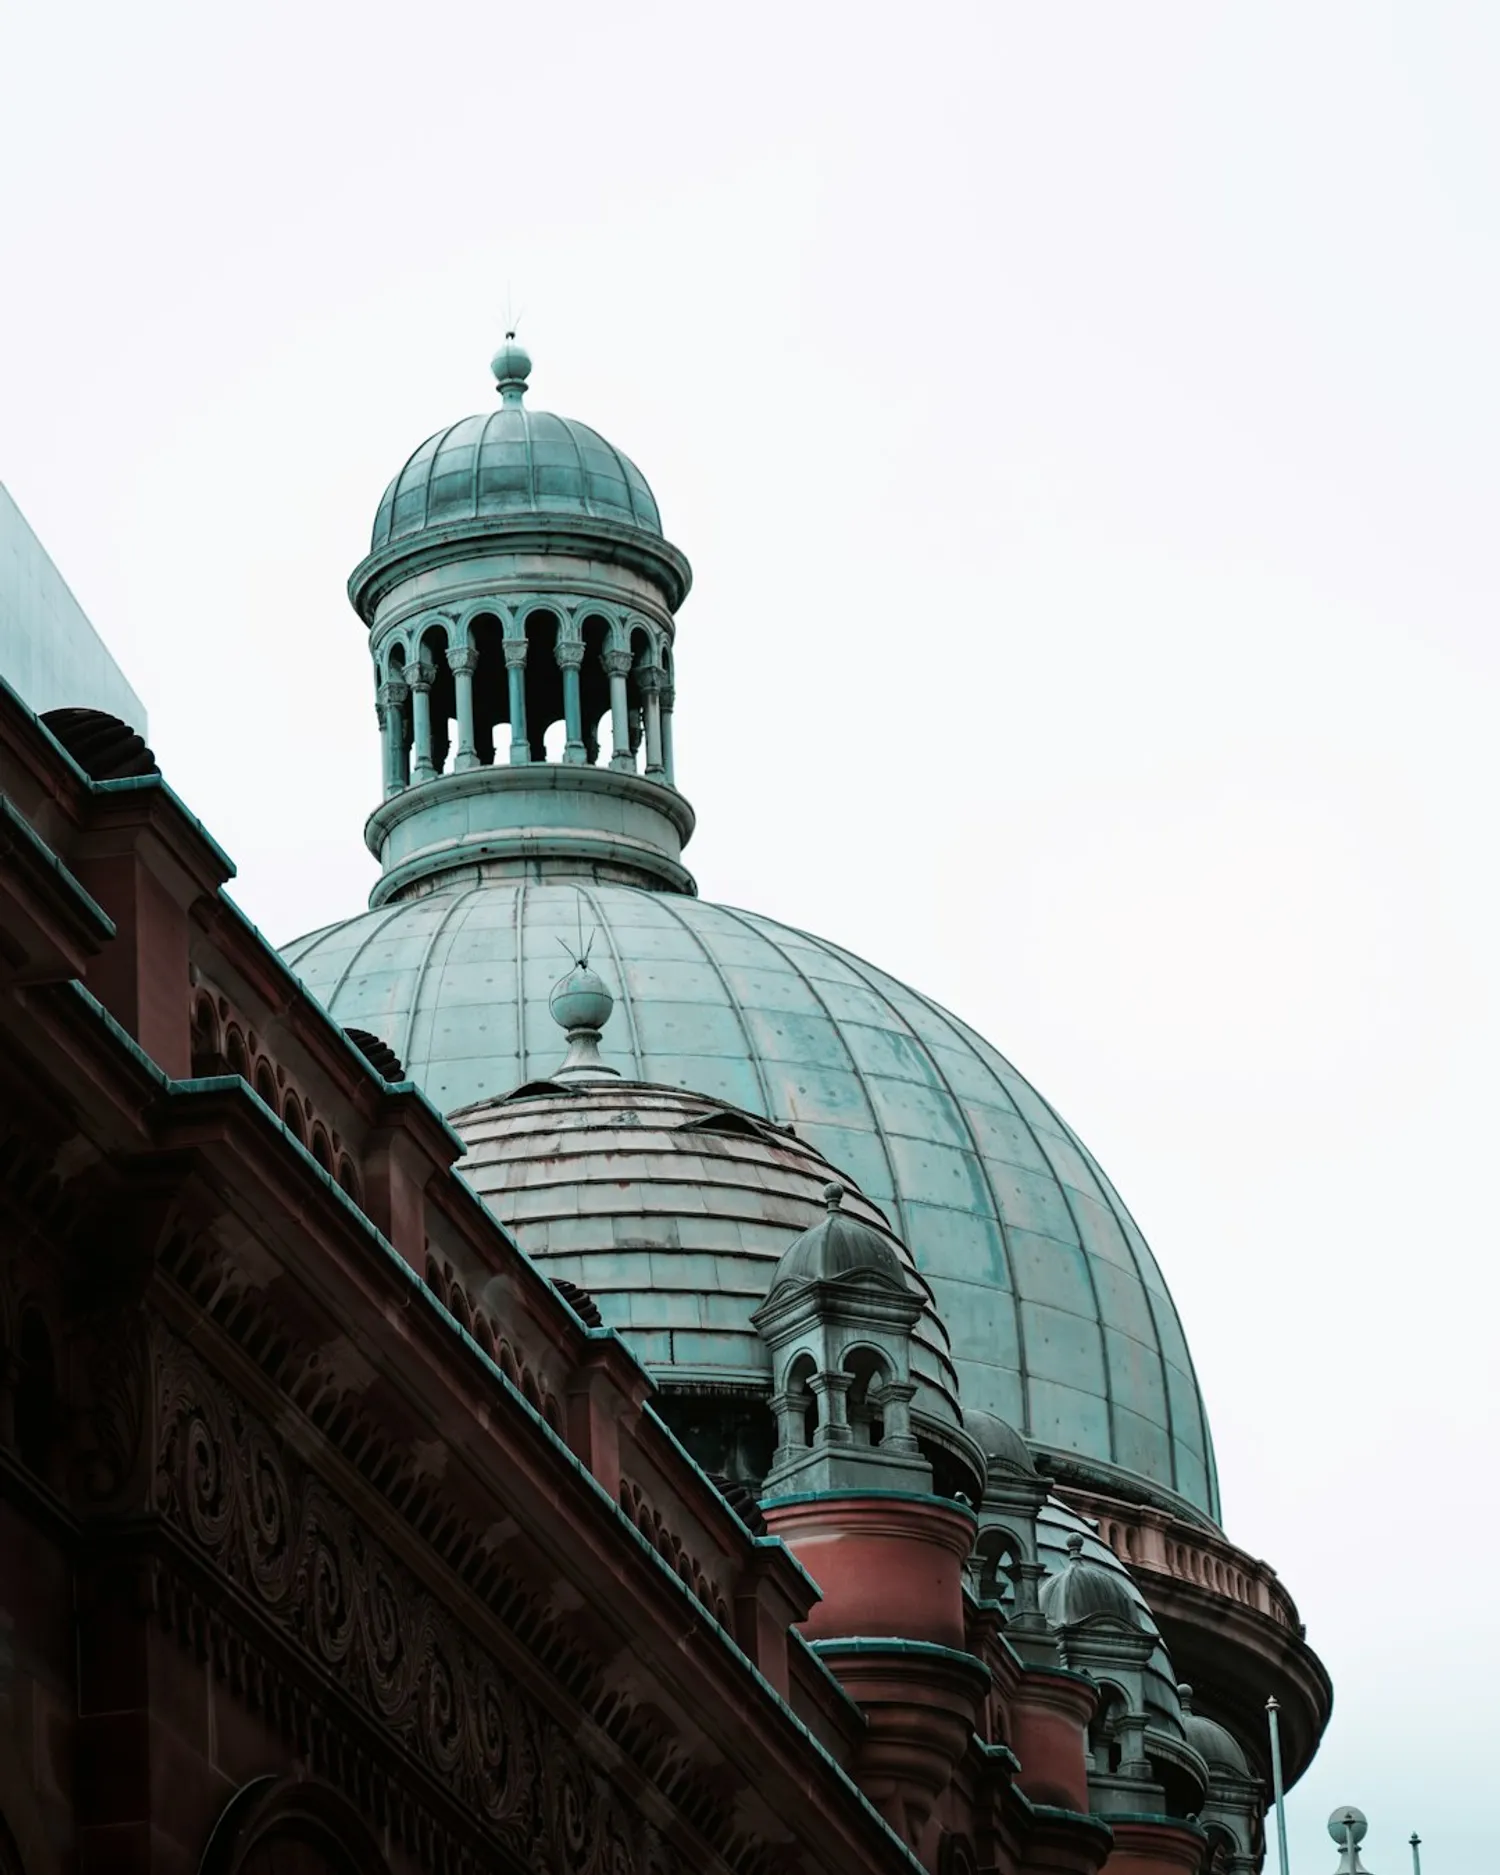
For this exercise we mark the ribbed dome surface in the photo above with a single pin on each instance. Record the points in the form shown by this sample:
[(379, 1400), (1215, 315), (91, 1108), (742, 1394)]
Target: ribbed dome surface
[(513, 462), (1060, 1321), (839, 1246), (674, 1212)]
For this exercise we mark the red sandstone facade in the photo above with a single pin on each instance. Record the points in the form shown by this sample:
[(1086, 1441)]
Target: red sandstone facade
[(310, 1560)]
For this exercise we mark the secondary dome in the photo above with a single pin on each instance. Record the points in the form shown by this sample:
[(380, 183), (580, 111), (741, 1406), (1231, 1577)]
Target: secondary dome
[(676, 1214), (512, 462), (1059, 1319)]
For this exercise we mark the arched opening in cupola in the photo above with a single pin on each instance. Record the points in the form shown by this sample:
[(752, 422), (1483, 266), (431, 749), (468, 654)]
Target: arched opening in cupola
[(441, 706), (544, 693), (863, 1405), (400, 754), (801, 1394), (641, 659), (491, 686), (593, 688)]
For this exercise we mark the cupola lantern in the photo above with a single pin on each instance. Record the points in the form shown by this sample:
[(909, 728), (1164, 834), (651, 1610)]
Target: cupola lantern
[(521, 604)]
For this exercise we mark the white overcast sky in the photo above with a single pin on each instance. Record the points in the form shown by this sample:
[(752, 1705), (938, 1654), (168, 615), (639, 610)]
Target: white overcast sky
[(1082, 420)]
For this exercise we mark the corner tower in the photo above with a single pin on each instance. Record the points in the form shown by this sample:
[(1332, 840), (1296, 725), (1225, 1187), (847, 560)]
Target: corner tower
[(521, 602)]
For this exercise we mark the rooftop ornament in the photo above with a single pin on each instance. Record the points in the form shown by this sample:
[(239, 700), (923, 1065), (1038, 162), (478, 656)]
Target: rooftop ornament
[(581, 1005), (512, 367), (1347, 1826)]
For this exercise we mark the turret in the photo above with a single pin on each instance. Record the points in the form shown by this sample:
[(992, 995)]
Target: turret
[(521, 604)]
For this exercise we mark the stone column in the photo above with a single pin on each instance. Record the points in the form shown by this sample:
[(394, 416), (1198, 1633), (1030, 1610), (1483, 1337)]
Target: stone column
[(515, 677), (390, 707), (650, 680), (833, 1417), (421, 677), (668, 698), (894, 1401), (569, 657), (617, 663), (462, 663), (789, 1409)]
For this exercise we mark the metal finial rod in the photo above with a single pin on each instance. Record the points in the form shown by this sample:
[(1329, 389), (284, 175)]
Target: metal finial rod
[(1416, 1854), (1273, 1720)]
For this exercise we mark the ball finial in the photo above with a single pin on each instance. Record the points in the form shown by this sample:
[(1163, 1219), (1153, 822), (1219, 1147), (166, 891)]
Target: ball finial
[(581, 1005), (512, 367), (833, 1194)]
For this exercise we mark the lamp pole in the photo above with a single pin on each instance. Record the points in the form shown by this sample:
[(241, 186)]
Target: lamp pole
[(1273, 1720)]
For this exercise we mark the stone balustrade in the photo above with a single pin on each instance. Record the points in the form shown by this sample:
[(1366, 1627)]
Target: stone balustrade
[(1152, 1540)]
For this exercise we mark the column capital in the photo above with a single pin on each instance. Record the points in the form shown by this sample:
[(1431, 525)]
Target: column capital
[(462, 658), (392, 695), (515, 654), (668, 698), (569, 654), (617, 663), (421, 676), (650, 678)]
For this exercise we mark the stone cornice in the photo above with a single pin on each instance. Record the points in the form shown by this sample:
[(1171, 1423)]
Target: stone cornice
[(591, 538)]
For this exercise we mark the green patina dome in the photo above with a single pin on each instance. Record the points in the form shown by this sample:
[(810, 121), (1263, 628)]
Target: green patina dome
[(1059, 1319), (511, 463)]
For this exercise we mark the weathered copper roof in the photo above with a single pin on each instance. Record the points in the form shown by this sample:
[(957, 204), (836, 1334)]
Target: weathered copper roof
[(1060, 1321), (673, 1212), (512, 462)]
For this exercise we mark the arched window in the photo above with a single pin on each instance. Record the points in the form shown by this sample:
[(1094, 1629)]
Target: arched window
[(291, 1826), (322, 1151), (491, 688), (441, 704), (544, 692), (291, 1114), (205, 1038), (234, 1051), (265, 1085), (864, 1409), (795, 1386), (593, 686)]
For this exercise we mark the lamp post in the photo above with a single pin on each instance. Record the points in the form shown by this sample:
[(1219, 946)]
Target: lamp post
[(1273, 1720)]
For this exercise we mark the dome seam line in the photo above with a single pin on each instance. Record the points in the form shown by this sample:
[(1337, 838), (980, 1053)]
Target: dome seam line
[(459, 900), (861, 970), (734, 1004), (602, 925)]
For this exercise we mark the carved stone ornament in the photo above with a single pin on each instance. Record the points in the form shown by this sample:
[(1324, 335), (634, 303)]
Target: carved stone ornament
[(618, 663), (515, 653), (421, 676), (569, 654), (463, 658), (279, 1536)]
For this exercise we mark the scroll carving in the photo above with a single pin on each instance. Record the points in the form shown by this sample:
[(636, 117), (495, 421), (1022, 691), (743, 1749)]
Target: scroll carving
[(273, 1529)]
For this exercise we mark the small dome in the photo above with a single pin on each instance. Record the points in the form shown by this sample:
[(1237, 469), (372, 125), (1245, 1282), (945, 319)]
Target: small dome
[(510, 464), (1213, 1744), (1083, 1589), (1003, 1447), (838, 1246), (674, 1211)]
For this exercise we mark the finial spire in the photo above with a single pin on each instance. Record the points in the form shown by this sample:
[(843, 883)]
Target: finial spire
[(833, 1194), (512, 367), (581, 1005)]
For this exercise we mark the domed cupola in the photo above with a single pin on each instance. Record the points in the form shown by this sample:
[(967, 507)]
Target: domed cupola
[(521, 602), (1086, 1591)]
